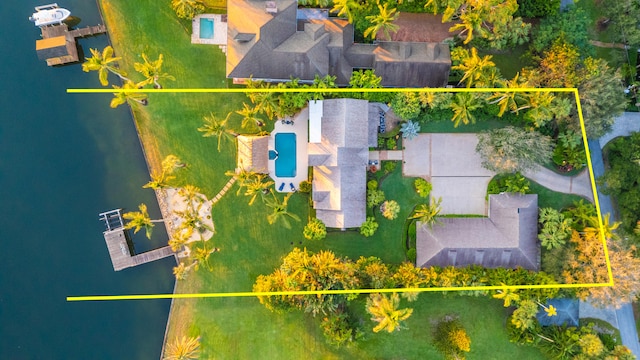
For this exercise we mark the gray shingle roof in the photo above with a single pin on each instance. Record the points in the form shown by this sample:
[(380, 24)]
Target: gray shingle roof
[(507, 238), (339, 163), (269, 46)]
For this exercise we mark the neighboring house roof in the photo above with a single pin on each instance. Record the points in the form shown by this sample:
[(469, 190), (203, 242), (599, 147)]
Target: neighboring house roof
[(253, 153), (278, 45), (507, 238), (339, 163)]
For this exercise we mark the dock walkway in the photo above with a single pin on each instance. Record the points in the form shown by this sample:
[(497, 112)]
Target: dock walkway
[(119, 247), (60, 32)]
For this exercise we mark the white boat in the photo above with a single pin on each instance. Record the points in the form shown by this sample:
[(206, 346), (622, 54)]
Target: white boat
[(49, 15)]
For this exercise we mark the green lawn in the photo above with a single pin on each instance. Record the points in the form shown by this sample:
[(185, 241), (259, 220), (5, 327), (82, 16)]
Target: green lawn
[(241, 327), (552, 199)]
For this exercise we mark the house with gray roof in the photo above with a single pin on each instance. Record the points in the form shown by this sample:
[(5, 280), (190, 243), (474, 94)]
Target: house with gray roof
[(274, 41), (506, 238), (338, 151)]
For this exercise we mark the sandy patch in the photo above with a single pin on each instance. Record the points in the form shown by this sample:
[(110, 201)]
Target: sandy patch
[(171, 201)]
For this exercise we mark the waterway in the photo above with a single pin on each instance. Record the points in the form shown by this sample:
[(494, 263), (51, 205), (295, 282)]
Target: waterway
[(63, 159)]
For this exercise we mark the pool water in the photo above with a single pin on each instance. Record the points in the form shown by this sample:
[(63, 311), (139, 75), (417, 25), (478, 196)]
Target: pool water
[(285, 144), (206, 28)]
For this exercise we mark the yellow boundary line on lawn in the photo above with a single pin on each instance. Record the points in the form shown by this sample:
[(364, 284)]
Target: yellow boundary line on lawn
[(366, 291)]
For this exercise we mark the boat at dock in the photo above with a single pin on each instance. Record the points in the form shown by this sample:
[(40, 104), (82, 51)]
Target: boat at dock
[(50, 14)]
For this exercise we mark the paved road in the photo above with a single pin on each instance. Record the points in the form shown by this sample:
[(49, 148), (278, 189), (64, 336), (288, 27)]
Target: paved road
[(624, 125)]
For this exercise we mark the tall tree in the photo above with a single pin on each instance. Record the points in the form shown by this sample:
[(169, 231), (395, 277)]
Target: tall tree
[(384, 310), (346, 8), (257, 185), (281, 211), (476, 69), (152, 71), (104, 63), (140, 219), (250, 118), (218, 128), (463, 105), (130, 97), (587, 265), (382, 21), (160, 179), (511, 149)]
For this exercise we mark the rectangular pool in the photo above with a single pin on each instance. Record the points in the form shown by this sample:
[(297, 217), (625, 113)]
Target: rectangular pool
[(206, 28), (285, 144)]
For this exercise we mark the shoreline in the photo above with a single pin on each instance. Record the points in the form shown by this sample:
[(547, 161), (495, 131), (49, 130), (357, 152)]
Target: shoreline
[(160, 194)]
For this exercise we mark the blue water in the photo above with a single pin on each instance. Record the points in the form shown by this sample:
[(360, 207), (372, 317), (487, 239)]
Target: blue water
[(285, 145), (272, 154), (63, 159), (206, 28)]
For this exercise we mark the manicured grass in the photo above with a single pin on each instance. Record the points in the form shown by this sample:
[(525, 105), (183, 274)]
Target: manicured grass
[(552, 199), (242, 327)]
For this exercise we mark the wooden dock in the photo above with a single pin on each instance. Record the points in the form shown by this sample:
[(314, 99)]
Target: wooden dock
[(58, 45), (119, 247)]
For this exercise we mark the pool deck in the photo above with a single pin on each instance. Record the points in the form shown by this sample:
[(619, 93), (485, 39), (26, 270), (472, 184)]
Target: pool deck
[(300, 128), (219, 30)]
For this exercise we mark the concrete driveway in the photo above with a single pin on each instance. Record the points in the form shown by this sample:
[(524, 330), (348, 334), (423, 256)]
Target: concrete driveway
[(454, 168)]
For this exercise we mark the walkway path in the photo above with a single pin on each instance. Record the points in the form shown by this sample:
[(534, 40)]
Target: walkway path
[(608, 45), (224, 190), (579, 184), (625, 124)]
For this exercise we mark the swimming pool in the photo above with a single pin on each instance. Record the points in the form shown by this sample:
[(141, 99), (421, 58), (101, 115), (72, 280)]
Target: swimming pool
[(206, 28), (285, 144)]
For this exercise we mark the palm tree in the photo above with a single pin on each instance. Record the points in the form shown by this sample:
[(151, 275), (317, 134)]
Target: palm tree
[(201, 256), (104, 63), (470, 21), (462, 105), (265, 102), (346, 7), (475, 68), (386, 313), (257, 185), (426, 214), (280, 211), (130, 97), (508, 99), (140, 219), (187, 9), (184, 348), (218, 128), (607, 227), (541, 107), (161, 180), (250, 116), (152, 71), (383, 21)]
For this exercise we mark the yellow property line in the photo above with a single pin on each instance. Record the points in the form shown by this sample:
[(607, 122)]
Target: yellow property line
[(319, 90), (366, 291), (326, 292)]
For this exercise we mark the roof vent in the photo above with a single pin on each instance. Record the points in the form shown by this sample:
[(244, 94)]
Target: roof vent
[(244, 37), (271, 7)]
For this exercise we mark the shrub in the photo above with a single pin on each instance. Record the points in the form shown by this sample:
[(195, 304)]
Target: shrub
[(372, 184), (406, 105), (315, 230), (369, 227), (389, 166), (451, 339), (537, 8), (381, 142), (514, 183), (337, 330), (374, 197), (391, 144), (390, 209), (305, 187), (423, 187)]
